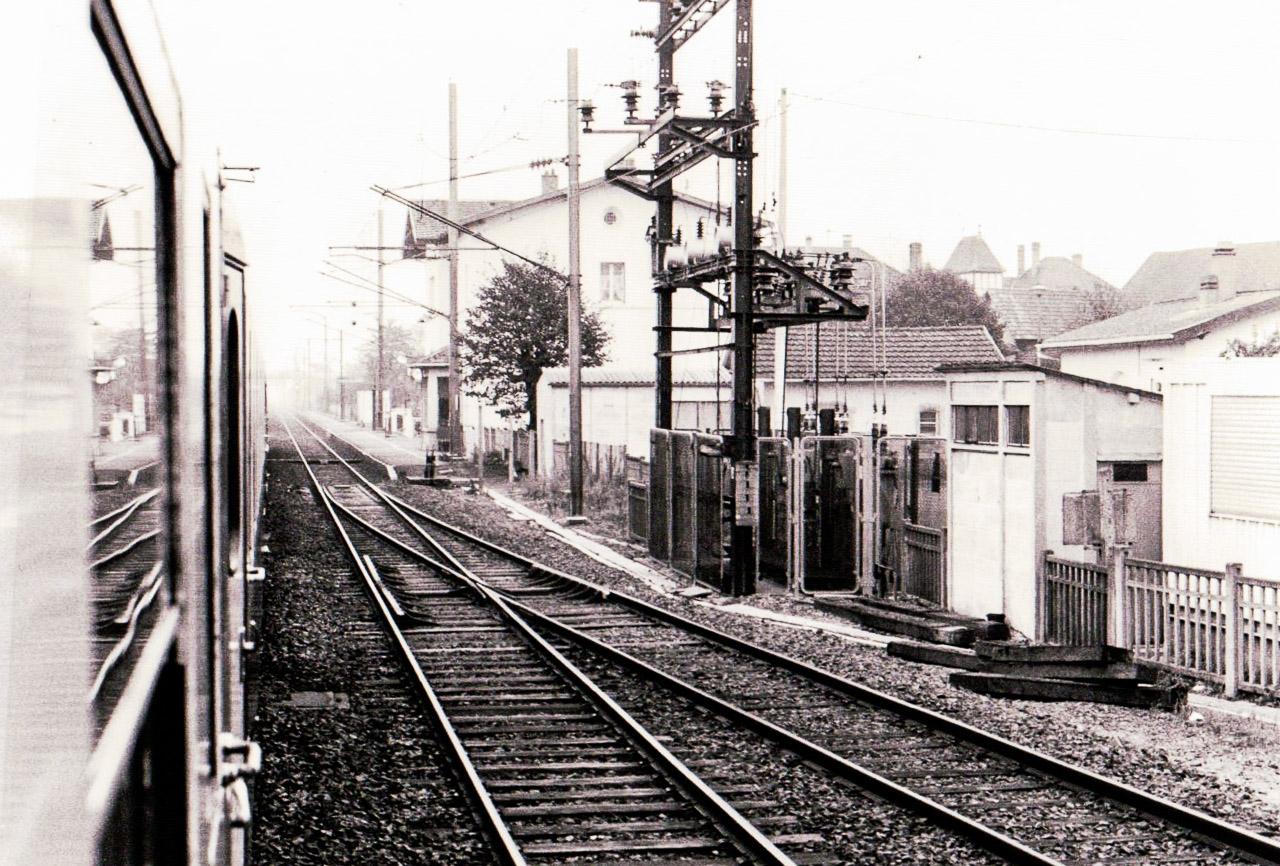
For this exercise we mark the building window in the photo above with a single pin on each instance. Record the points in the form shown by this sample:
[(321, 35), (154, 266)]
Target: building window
[(975, 425), (610, 217), (613, 284), (1129, 472), (1018, 425), (929, 422)]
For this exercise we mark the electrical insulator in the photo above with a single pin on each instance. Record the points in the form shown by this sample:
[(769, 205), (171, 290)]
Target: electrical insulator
[(588, 111), (716, 95), (842, 420), (842, 273), (668, 97), (809, 420), (631, 97)]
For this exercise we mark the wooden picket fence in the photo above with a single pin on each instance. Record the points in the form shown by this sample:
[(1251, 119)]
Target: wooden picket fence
[(1218, 626)]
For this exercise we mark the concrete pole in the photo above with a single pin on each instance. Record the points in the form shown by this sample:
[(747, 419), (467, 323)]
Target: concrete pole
[(377, 375), (780, 334), (575, 301), (455, 421)]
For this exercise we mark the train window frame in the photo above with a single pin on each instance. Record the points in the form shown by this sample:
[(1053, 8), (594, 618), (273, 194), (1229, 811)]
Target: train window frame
[(153, 680), (109, 34)]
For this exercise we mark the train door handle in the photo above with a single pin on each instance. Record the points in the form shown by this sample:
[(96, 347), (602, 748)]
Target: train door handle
[(249, 752)]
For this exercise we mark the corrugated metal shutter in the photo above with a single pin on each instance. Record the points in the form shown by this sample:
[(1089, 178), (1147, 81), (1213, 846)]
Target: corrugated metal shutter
[(1245, 457)]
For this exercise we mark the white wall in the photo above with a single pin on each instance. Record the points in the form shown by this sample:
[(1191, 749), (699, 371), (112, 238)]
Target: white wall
[(1005, 502), (1147, 365), (1192, 535), (905, 399)]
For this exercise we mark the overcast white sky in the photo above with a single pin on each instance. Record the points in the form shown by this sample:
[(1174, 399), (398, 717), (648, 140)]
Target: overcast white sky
[(1102, 128)]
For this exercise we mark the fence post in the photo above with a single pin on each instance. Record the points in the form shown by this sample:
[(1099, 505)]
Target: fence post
[(1042, 597), (1117, 624), (1231, 628)]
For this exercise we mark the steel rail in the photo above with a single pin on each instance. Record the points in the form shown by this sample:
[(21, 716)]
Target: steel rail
[(123, 549), (130, 507), (139, 602), (1216, 832), (719, 811), (500, 836), (992, 840)]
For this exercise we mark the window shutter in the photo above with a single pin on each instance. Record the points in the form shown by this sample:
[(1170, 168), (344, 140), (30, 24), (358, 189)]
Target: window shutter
[(1244, 457)]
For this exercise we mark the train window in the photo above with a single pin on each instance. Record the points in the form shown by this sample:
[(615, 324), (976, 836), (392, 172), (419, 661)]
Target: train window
[(122, 192)]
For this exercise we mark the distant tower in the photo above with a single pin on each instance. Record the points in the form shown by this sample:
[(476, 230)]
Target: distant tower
[(973, 262)]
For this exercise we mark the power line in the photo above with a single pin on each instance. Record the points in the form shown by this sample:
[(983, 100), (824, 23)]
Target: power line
[(537, 163), (1067, 130)]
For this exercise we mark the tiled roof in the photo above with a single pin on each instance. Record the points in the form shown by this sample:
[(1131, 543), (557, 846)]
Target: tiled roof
[(1169, 276), (972, 255), (1058, 272), (844, 351), (422, 229), (1169, 320), (609, 374), (1036, 314)]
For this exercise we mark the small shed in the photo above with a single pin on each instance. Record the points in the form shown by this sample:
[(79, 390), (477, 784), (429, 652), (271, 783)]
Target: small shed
[(1021, 436)]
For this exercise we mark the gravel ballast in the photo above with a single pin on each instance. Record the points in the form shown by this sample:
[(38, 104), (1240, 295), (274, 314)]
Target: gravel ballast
[(354, 778), (1230, 769)]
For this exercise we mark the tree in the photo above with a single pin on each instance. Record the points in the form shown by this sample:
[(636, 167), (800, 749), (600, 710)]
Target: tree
[(397, 341), (929, 298), (1268, 348), (517, 328), (1102, 302)]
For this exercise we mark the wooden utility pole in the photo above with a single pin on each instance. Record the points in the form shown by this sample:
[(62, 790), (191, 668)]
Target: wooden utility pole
[(575, 301), (455, 422)]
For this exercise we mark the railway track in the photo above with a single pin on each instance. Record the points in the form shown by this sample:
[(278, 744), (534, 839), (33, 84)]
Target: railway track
[(126, 575), (1019, 803), (557, 768)]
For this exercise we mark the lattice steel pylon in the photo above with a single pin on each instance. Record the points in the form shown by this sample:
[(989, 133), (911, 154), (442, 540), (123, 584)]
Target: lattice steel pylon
[(765, 290)]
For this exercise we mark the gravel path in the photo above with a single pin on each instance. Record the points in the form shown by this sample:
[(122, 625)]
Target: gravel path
[(362, 781), (1229, 769)]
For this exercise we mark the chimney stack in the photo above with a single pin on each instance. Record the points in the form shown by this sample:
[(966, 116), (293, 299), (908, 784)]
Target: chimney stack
[(1035, 254), (916, 255), (847, 240), (550, 182), (1078, 260), (1022, 258), (1208, 290), (1226, 265)]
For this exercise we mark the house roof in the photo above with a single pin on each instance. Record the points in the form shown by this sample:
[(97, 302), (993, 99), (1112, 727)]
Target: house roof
[(1037, 313), (1049, 371), (845, 351), (1167, 276), (422, 229), (437, 359), (1175, 321), (1059, 272), (972, 255)]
